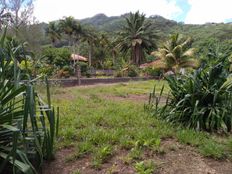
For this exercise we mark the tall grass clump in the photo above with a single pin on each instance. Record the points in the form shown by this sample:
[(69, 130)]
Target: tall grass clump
[(28, 125), (201, 100)]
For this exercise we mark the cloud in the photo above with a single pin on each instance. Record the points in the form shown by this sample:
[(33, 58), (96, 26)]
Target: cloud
[(203, 11), (48, 10)]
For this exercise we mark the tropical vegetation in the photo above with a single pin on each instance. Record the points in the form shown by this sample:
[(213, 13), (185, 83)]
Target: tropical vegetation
[(190, 103), (199, 100), (28, 126), (175, 55), (137, 36)]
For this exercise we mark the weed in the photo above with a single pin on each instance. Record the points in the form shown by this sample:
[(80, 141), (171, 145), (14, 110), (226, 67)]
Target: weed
[(191, 137), (135, 153), (173, 147), (102, 155), (229, 146), (127, 160), (212, 149), (83, 148), (112, 170), (145, 167)]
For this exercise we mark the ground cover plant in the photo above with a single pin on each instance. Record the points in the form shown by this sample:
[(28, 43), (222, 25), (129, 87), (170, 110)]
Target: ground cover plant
[(105, 130)]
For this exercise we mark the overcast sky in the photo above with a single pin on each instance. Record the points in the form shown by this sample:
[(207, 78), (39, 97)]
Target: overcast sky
[(188, 11)]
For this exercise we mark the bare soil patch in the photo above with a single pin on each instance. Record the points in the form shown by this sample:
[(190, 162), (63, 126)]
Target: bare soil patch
[(129, 97), (177, 159), (142, 98)]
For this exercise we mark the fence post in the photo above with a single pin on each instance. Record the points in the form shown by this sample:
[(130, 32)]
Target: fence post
[(78, 75)]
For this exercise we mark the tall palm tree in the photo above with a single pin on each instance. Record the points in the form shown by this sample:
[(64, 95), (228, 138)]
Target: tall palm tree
[(53, 32), (102, 45), (137, 35), (113, 48), (89, 36), (71, 28), (175, 54)]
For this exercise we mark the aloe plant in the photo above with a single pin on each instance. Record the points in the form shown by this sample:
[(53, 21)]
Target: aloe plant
[(27, 124)]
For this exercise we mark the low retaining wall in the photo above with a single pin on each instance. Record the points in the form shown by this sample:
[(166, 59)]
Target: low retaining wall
[(93, 81)]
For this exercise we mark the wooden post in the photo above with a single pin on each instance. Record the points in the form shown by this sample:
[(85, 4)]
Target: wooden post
[(78, 75)]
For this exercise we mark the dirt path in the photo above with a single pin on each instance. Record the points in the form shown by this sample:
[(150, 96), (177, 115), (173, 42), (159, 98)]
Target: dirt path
[(130, 97)]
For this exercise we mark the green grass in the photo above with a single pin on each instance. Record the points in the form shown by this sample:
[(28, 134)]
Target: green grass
[(99, 127)]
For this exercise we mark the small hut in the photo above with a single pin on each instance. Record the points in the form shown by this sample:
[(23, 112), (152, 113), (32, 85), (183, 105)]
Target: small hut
[(76, 58)]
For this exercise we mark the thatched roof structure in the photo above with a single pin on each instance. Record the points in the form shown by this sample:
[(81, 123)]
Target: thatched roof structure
[(76, 57)]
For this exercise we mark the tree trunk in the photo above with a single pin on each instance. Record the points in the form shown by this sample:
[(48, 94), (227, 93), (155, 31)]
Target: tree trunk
[(113, 56), (133, 54), (90, 54), (137, 55)]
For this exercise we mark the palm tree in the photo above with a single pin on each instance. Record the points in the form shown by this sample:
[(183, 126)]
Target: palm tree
[(175, 54), (53, 32), (102, 45), (113, 49), (137, 36), (71, 28), (89, 36)]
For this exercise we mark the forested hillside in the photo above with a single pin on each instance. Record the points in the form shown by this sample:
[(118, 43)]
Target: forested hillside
[(163, 26)]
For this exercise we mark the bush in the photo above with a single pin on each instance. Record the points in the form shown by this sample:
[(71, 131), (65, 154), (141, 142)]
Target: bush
[(107, 64), (152, 72), (26, 66), (89, 71), (133, 71), (58, 57), (65, 72), (118, 74), (201, 100), (47, 70), (84, 67)]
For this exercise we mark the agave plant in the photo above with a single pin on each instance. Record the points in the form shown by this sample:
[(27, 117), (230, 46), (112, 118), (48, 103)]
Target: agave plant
[(25, 135)]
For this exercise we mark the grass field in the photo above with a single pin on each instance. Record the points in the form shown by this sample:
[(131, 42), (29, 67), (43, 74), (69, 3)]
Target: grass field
[(104, 129)]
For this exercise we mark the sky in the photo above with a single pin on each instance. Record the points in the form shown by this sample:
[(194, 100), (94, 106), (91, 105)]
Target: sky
[(187, 11)]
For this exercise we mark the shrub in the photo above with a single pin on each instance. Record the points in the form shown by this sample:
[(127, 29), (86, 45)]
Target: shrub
[(118, 74), (58, 57), (133, 71), (152, 72), (65, 72), (107, 64), (47, 70), (201, 100), (84, 67), (26, 66), (89, 71)]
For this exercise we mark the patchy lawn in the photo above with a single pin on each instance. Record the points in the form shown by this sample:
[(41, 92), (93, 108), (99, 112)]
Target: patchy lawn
[(104, 129)]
